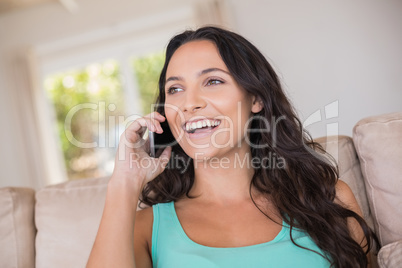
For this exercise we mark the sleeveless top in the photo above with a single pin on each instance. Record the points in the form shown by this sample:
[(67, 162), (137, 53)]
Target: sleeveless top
[(172, 248)]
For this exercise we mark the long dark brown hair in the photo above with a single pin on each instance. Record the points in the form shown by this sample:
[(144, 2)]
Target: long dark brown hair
[(304, 189)]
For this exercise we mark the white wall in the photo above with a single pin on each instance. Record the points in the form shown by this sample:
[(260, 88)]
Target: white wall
[(325, 51)]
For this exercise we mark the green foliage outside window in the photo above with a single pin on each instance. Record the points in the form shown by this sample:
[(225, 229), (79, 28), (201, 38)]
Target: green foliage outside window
[(93, 85), (97, 83), (147, 70)]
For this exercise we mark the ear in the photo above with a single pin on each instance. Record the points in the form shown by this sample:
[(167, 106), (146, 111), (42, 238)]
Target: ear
[(257, 105)]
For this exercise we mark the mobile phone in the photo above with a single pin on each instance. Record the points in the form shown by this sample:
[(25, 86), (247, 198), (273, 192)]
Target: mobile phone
[(151, 137), (157, 142)]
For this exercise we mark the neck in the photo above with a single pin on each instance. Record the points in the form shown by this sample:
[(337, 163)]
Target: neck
[(223, 179)]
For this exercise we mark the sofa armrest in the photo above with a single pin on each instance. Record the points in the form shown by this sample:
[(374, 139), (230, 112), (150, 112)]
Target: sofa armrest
[(17, 229)]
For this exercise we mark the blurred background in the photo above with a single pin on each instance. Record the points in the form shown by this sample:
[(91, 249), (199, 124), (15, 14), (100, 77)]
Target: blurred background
[(73, 73)]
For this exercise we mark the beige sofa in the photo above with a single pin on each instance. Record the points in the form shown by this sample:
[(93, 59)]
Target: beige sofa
[(56, 226)]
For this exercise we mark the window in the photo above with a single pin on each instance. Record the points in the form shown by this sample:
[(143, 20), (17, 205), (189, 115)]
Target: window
[(89, 107)]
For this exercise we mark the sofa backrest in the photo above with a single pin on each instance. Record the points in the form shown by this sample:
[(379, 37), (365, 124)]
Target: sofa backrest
[(67, 218), (17, 229), (378, 142)]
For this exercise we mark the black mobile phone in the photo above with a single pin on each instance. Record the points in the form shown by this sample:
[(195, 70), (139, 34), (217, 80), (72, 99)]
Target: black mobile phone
[(160, 141), (151, 136)]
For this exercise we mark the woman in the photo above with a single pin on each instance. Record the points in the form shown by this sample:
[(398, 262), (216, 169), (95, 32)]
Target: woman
[(247, 191)]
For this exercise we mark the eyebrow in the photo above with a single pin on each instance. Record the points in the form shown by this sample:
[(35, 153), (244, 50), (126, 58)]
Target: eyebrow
[(209, 70)]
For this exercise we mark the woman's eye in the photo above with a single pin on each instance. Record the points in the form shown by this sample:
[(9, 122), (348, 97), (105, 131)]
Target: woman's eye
[(173, 90), (214, 82)]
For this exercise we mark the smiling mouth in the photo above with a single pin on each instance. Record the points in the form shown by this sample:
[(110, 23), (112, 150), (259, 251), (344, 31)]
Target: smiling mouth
[(201, 125)]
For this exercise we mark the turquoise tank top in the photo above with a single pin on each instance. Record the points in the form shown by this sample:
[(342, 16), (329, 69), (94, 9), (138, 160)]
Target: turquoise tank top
[(172, 248)]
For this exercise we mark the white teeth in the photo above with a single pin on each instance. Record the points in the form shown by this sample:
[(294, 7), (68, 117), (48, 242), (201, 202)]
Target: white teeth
[(201, 124)]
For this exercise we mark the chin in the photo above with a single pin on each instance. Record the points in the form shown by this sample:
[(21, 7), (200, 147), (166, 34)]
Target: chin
[(201, 154)]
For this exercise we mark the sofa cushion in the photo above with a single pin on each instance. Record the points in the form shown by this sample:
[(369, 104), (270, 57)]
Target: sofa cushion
[(378, 142), (17, 229), (390, 256), (343, 151), (67, 218)]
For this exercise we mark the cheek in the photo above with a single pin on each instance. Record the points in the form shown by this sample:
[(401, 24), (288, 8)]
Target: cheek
[(243, 117), (172, 118)]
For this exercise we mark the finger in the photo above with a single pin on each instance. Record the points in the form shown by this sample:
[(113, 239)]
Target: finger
[(158, 126), (141, 124), (156, 115), (156, 119), (136, 130), (136, 125)]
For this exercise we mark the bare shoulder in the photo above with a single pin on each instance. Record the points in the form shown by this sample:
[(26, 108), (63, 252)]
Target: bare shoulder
[(345, 197), (144, 216), (143, 237), (143, 224)]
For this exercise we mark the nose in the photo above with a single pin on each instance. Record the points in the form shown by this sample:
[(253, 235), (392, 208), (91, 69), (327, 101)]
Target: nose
[(193, 101)]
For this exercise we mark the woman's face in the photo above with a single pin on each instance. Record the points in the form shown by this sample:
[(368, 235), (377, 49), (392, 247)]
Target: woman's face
[(206, 109)]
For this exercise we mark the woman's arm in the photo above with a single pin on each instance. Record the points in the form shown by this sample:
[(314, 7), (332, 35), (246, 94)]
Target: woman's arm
[(114, 243), (143, 238), (346, 198)]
